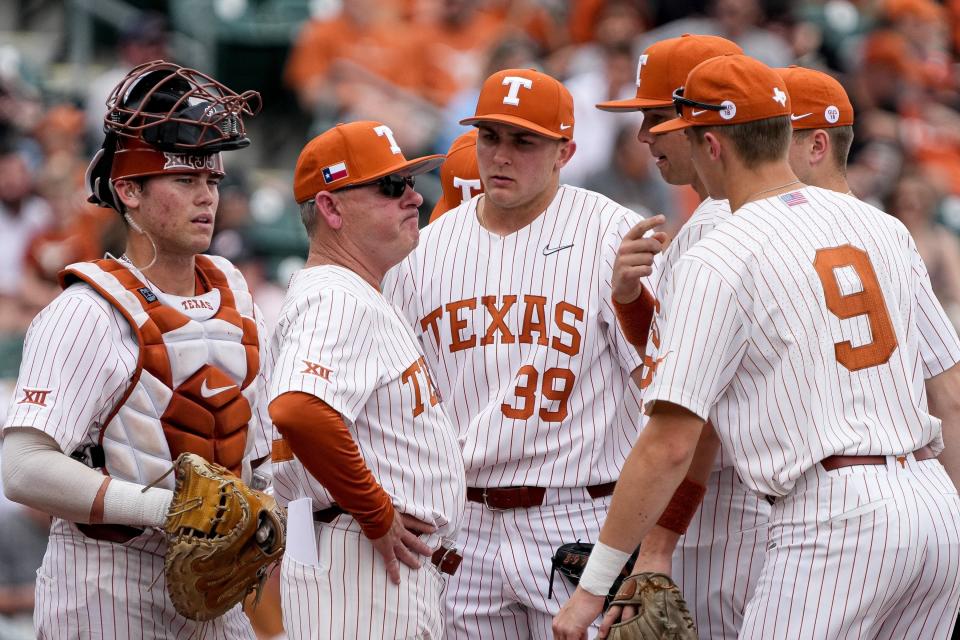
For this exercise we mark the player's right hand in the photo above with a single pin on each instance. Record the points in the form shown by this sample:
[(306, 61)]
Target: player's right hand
[(402, 544), (635, 258)]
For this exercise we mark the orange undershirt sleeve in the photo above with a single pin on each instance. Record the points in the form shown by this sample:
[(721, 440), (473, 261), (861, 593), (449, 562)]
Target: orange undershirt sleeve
[(318, 436), (636, 317)]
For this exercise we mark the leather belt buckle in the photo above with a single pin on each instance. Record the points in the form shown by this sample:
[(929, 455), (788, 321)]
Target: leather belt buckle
[(486, 503), (446, 560)]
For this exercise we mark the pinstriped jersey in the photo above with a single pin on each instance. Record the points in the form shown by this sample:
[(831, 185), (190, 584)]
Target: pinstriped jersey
[(795, 327), (705, 217), (340, 340), (522, 340)]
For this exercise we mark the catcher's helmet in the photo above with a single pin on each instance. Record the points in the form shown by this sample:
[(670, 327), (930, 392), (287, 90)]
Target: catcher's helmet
[(164, 118)]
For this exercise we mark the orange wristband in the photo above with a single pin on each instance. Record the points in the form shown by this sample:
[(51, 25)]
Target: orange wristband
[(683, 505), (636, 317)]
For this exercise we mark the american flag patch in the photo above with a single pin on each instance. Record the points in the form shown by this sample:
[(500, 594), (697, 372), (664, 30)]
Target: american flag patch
[(793, 198), (335, 172)]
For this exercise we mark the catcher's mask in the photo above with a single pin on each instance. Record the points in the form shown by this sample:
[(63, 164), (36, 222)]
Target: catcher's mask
[(163, 118)]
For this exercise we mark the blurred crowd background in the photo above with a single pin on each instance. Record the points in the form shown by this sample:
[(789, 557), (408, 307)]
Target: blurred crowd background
[(417, 66)]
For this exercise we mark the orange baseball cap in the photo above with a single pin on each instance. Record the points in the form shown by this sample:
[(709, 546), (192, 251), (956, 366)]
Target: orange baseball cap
[(527, 99), (350, 154), (728, 90), (818, 100), (459, 175), (664, 66)]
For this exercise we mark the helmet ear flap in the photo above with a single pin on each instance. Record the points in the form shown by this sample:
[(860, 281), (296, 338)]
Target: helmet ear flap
[(98, 175)]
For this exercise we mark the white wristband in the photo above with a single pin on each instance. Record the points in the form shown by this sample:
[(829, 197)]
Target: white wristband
[(603, 567), (126, 503)]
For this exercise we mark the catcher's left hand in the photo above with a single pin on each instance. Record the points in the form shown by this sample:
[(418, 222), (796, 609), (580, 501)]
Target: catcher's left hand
[(222, 538)]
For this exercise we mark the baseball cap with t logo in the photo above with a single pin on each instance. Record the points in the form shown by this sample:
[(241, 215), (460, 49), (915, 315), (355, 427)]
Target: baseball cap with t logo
[(354, 154), (527, 99), (728, 90), (459, 174), (664, 66)]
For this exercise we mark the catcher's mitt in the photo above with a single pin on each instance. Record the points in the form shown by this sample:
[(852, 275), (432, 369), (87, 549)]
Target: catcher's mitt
[(222, 535), (571, 559), (662, 613)]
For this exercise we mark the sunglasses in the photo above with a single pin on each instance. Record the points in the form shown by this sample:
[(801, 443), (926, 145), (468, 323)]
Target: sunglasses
[(391, 186), (679, 102)]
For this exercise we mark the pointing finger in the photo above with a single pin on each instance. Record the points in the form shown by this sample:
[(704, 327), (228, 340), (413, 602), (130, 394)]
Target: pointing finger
[(644, 226)]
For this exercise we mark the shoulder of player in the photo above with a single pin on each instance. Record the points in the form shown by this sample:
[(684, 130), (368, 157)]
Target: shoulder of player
[(875, 214), (80, 306), (602, 209), (709, 211), (760, 213), (331, 285), (234, 275), (451, 222), (706, 217)]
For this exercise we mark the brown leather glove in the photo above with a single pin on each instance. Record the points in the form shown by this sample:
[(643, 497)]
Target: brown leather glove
[(662, 613), (223, 537)]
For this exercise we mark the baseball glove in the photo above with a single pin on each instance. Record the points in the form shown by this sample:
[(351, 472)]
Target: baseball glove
[(662, 613), (223, 537), (571, 559)]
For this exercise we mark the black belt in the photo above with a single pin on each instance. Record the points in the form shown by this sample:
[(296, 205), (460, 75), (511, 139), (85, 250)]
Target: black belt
[(525, 497), (444, 559)]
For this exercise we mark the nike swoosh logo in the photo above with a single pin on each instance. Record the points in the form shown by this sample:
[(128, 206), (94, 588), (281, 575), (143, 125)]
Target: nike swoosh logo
[(564, 127), (695, 113), (800, 117), (551, 250), (207, 392)]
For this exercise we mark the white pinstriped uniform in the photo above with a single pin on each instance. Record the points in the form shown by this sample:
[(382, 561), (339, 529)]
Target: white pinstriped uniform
[(524, 346), (798, 335), (718, 561), (80, 347), (339, 339)]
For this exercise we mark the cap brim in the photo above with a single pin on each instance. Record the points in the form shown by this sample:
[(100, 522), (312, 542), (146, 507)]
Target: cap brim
[(417, 166), (633, 104), (671, 125), (516, 122), (413, 167)]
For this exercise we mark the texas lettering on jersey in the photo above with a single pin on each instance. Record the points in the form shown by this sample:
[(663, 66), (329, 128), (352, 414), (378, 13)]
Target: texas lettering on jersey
[(534, 327), (411, 377), (196, 304)]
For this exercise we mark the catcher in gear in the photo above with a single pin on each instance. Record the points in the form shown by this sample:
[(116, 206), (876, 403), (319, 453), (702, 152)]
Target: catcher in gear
[(142, 360)]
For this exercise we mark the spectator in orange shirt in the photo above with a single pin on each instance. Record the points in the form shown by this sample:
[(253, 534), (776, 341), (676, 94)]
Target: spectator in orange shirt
[(363, 64)]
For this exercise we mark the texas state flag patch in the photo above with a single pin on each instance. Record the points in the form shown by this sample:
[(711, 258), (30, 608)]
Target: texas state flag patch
[(335, 172)]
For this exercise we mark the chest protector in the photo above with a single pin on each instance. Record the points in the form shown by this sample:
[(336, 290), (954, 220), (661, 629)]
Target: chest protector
[(192, 388)]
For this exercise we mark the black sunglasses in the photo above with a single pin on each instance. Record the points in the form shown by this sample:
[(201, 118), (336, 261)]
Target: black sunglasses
[(679, 102), (392, 186)]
